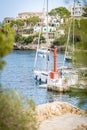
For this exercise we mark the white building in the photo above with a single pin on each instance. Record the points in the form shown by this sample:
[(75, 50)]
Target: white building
[(76, 10)]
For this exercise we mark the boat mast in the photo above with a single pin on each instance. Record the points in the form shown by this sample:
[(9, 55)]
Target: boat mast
[(73, 24), (44, 7), (37, 50), (38, 46), (47, 41)]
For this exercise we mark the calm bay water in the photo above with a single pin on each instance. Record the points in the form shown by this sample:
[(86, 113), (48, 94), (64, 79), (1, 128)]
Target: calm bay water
[(18, 75)]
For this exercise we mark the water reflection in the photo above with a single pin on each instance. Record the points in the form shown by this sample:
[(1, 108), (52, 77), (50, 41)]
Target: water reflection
[(81, 95)]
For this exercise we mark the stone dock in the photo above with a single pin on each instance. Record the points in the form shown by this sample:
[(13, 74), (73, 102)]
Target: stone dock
[(61, 116)]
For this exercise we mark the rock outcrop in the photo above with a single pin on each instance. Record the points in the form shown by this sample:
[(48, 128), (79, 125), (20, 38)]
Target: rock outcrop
[(49, 110), (19, 46)]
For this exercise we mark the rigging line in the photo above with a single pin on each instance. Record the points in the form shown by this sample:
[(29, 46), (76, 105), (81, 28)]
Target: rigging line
[(44, 6), (47, 41), (66, 49), (39, 37), (73, 25), (73, 29), (37, 50)]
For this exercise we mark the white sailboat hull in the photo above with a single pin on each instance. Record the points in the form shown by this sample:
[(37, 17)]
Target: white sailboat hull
[(68, 56), (41, 76)]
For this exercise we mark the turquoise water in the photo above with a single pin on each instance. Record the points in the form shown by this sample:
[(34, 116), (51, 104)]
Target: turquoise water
[(18, 75)]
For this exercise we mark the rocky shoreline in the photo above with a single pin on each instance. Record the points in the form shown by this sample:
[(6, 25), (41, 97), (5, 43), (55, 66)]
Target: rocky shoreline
[(18, 46), (50, 110), (61, 116)]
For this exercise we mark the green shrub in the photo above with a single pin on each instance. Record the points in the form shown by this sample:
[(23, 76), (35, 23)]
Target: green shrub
[(42, 37), (18, 38), (6, 40), (6, 43), (28, 40), (56, 42), (59, 41), (14, 115)]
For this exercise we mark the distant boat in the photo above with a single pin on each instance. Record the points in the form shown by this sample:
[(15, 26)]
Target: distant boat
[(68, 52), (42, 52), (68, 56), (70, 48)]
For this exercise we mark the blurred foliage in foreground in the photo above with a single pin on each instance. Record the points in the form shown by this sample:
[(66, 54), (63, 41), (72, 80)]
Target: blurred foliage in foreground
[(6, 40), (6, 43), (13, 114)]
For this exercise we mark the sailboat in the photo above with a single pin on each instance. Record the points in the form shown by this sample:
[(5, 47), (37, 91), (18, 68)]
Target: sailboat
[(62, 78), (39, 74), (56, 79)]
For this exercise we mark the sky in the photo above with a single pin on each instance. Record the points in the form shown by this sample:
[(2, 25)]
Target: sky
[(11, 8)]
